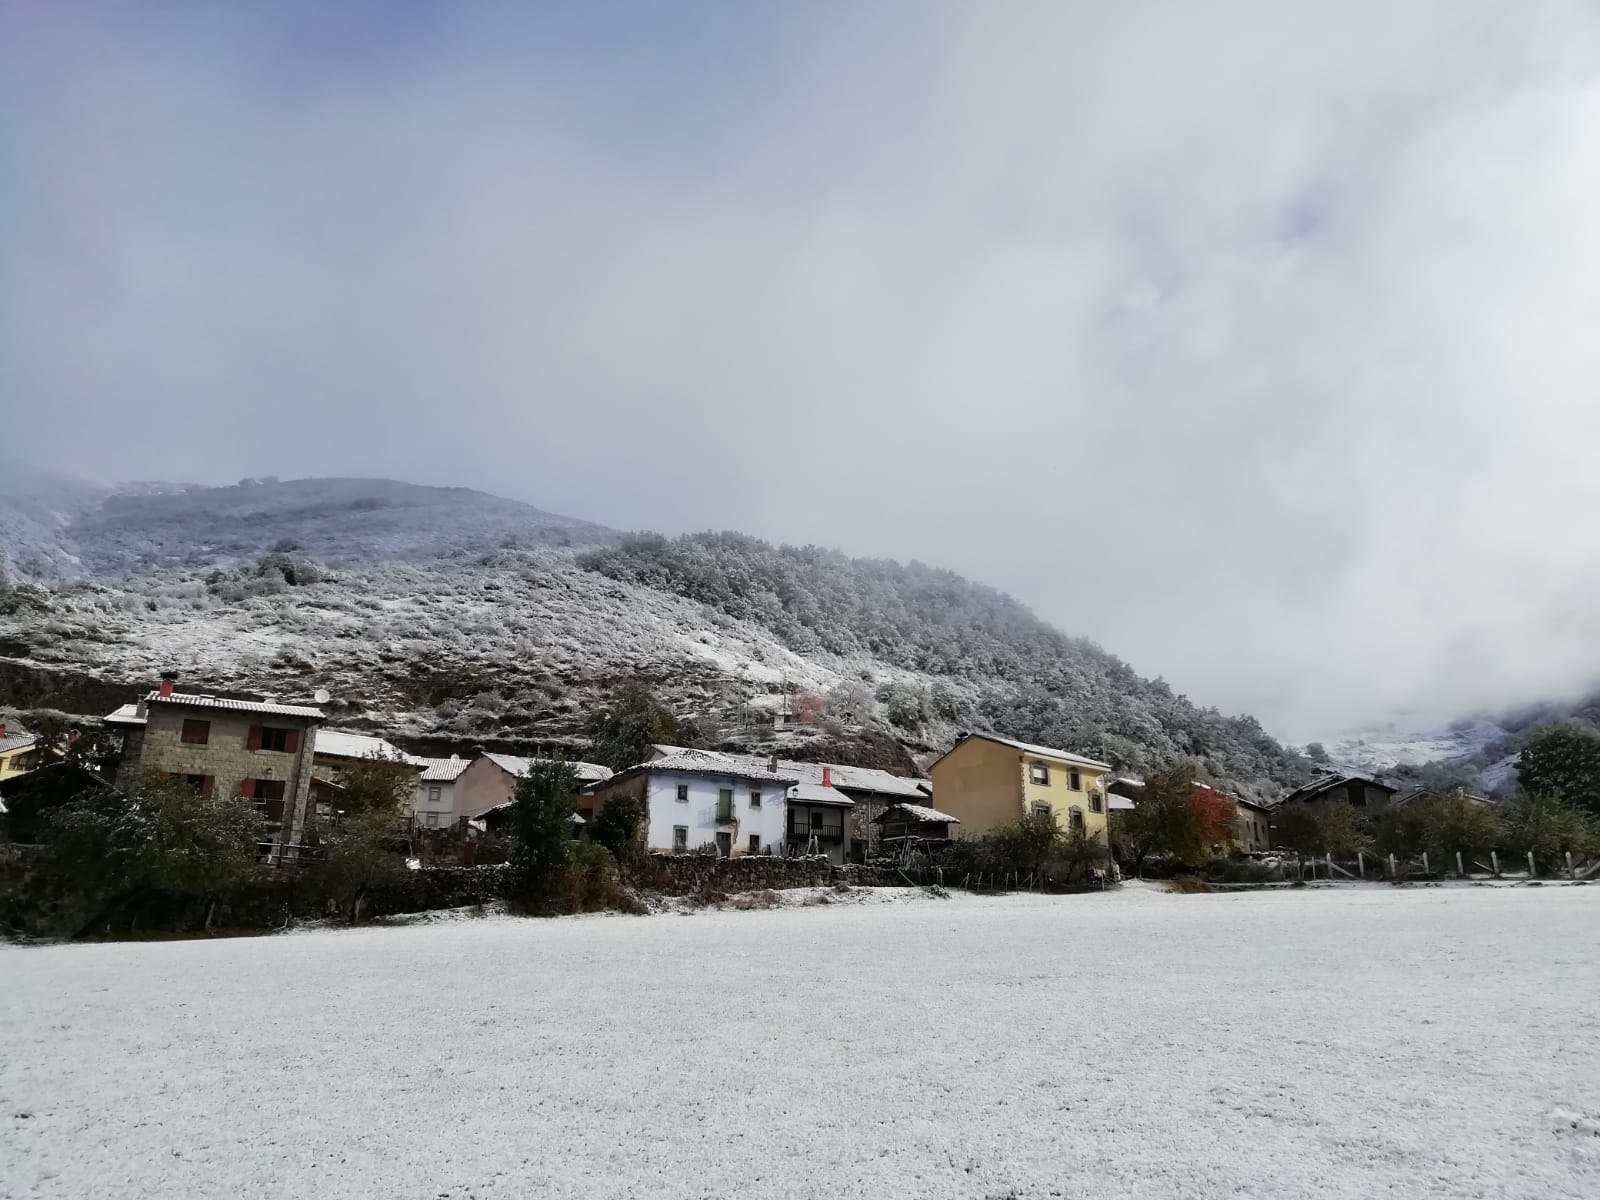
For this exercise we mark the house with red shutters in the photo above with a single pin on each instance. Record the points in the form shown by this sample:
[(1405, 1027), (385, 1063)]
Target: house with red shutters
[(256, 749)]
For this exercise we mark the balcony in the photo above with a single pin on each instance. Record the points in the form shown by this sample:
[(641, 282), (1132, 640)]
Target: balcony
[(724, 812)]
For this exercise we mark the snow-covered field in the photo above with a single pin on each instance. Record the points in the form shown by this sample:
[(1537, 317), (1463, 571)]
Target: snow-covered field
[(1418, 1043)]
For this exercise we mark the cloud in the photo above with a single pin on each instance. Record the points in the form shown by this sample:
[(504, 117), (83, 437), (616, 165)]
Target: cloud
[(1248, 339)]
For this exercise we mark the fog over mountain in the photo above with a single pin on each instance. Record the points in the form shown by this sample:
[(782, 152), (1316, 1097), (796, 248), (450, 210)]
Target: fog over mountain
[(1249, 340)]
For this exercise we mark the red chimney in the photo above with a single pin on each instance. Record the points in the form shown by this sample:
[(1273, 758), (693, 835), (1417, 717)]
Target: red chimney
[(827, 776), (166, 686), (2, 731)]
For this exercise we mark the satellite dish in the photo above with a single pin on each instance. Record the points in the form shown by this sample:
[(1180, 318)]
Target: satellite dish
[(322, 695)]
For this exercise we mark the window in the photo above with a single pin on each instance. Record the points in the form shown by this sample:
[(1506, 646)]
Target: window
[(755, 797), (683, 793), (268, 795), (434, 793), (680, 838), (755, 843), (1097, 802), (1041, 809), (431, 820), (1039, 773), (1075, 781), (1075, 819), (196, 733), (200, 783), (271, 737)]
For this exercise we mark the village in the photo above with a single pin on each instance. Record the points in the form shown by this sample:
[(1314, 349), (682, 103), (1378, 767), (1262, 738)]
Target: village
[(990, 811)]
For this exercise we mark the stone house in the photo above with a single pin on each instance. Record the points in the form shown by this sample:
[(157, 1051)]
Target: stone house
[(1254, 825), (1362, 792), (257, 750)]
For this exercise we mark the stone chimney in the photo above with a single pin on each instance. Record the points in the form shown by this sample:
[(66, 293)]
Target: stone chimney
[(827, 776), (772, 765)]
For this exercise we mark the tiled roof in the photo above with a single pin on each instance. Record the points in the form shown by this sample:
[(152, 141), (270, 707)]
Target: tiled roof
[(337, 743), (815, 793), (16, 741), (443, 770), (854, 779), (713, 762), (514, 764), (1065, 756), (261, 707), (919, 812), (128, 714)]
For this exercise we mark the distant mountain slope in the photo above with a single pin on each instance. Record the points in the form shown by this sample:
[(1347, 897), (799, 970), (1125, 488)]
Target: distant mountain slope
[(450, 612), (343, 522)]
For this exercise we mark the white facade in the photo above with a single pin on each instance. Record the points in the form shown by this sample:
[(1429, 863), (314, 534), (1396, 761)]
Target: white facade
[(435, 806), (687, 802), (682, 809)]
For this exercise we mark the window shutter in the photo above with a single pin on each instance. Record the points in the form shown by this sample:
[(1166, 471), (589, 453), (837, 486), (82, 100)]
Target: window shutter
[(291, 741), (255, 737), (247, 789), (207, 782)]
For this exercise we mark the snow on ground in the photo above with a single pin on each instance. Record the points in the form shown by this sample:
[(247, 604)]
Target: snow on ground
[(1424, 1042)]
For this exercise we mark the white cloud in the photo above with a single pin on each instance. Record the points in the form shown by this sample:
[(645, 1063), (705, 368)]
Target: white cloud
[(1251, 339)]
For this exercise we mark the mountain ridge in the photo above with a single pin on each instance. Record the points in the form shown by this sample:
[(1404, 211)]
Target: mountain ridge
[(451, 612)]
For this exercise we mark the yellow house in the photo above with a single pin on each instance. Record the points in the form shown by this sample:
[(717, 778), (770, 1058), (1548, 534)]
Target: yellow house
[(19, 752), (989, 781)]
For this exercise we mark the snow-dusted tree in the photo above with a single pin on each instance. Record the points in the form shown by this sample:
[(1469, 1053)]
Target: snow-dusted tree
[(622, 734)]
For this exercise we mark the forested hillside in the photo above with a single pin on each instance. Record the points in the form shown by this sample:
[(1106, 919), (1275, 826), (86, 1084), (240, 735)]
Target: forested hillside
[(448, 612)]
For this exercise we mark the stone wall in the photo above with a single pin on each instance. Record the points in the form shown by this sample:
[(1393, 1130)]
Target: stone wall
[(687, 874)]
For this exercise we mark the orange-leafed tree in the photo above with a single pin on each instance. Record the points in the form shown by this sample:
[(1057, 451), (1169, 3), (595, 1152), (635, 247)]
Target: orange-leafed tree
[(809, 707), (1213, 816)]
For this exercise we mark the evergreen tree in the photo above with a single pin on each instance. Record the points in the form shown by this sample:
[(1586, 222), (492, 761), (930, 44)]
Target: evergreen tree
[(541, 819), (623, 734), (616, 826), (162, 837)]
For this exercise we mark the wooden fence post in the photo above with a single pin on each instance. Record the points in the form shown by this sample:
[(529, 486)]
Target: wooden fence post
[(1361, 862), (1394, 872), (1330, 866), (1426, 869), (1531, 868), (1571, 874), (1494, 861), (1461, 870)]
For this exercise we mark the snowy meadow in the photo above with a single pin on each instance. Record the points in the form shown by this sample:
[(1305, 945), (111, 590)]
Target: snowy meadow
[(1438, 1042)]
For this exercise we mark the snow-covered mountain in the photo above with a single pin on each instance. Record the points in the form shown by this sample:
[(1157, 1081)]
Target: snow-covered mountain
[(442, 611)]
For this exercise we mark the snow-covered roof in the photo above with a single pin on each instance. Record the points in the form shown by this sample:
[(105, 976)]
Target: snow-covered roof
[(815, 793), (337, 743), (263, 707), (713, 762), (919, 812), (128, 714), (847, 778), (1118, 803), (17, 741), (1064, 756), (517, 765), (443, 770)]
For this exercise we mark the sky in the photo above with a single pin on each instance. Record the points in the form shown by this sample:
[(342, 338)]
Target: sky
[(1254, 340)]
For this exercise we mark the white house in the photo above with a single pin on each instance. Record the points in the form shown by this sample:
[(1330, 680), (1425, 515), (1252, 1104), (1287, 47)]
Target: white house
[(436, 790), (699, 798)]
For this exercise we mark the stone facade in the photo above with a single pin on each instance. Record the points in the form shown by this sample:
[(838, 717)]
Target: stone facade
[(686, 874), (227, 760)]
